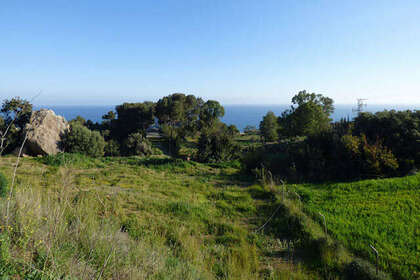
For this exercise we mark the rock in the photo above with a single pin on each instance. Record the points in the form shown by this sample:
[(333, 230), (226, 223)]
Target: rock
[(45, 132)]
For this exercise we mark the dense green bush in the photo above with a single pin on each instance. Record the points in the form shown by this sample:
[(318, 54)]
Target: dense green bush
[(81, 140), (112, 148), (4, 188), (325, 156), (137, 145), (398, 130), (216, 146)]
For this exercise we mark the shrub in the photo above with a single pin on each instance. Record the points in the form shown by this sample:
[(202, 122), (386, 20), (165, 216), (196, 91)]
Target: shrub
[(156, 151), (137, 144), (112, 148), (377, 159), (325, 156), (216, 147), (3, 185), (362, 270), (84, 141), (399, 131)]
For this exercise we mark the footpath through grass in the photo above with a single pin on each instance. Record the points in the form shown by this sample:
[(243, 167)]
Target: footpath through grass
[(384, 213), (74, 217)]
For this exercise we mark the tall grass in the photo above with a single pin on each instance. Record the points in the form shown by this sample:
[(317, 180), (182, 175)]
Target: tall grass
[(130, 218)]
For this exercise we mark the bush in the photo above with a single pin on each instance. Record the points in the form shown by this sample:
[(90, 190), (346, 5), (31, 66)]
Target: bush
[(399, 131), (325, 156), (4, 188), (156, 151), (137, 145), (216, 147), (84, 141), (362, 270), (112, 148)]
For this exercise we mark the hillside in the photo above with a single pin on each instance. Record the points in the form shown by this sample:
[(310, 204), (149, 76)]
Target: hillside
[(161, 218), (134, 218)]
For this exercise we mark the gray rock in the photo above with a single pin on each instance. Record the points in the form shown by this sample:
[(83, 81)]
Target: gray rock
[(45, 133)]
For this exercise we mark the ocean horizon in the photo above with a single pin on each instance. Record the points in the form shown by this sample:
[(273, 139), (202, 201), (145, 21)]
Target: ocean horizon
[(238, 115)]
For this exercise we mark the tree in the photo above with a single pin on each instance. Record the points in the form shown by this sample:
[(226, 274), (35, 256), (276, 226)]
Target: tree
[(210, 113), (180, 112), (15, 114), (308, 115), (399, 131), (109, 116), (178, 116), (173, 137), (269, 127), (17, 111), (79, 119), (304, 97), (183, 115), (232, 130), (132, 118)]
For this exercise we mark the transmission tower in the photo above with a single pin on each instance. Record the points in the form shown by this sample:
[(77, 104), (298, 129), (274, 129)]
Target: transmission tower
[(361, 105)]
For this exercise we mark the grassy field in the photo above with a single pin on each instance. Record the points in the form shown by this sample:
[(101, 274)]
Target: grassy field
[(73, 217), (384, 213)]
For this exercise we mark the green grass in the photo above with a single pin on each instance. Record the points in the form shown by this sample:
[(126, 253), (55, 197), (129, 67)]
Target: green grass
[(75, 217), (384, 213)]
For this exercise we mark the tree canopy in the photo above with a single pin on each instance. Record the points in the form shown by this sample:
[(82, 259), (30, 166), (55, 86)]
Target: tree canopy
[(132, 118), (269, 127), (210, 113), (309, 115), (15, 114), (179, 110), (16, 110)]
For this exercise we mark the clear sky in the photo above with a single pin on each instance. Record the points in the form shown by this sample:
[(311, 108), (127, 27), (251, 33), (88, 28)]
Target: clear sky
[(237, 52)]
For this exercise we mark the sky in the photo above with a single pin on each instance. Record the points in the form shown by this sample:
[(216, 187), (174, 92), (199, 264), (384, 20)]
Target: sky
[(99, 52)]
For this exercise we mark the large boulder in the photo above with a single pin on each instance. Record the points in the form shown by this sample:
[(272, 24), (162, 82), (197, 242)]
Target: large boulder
[(45, 133)]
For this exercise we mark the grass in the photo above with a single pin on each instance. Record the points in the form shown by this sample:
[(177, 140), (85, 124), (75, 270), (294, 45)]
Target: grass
[(245, 140), (75, 217), (383, 212)]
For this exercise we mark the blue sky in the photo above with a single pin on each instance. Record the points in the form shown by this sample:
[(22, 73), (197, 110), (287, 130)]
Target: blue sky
[(237, 52)]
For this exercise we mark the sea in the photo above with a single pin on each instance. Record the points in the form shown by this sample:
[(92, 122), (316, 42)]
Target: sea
[(238, 115)]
